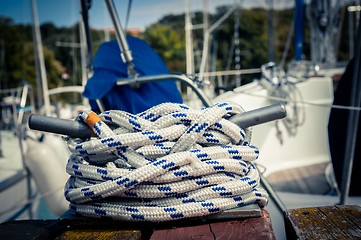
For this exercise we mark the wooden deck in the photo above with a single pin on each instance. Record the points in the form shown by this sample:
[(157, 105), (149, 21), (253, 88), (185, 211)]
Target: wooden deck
[(330, 222), (248, 228), (99, 229), (309, 180)]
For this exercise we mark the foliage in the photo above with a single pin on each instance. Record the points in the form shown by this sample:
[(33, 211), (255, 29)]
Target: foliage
[(19, 62), (169, 44)]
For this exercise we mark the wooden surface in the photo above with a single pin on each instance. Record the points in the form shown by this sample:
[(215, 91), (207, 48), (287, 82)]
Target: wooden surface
[(82, 234), (330, 222), (70, 229), (307, 179), (98, 229), (248, 228)]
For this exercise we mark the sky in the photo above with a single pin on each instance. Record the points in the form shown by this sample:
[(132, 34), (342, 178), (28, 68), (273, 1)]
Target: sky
[(143, 12)]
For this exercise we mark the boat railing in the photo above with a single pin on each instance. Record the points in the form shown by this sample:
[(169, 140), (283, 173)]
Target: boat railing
[(15, 103), (163, 77), (137, 80), (16, 99)]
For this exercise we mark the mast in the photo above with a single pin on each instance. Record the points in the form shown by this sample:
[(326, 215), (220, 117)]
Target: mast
[(324, 25), (352, 121), (40, 62), (189, 44), (299, 26), (205, 29), (125, 52), (85, 33), (206, 40), (270, 31)]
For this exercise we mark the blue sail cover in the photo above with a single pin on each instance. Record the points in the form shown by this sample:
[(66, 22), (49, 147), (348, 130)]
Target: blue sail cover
[(109, 68)]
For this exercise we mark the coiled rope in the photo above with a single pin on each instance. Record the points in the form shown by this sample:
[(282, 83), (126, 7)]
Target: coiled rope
[(169, 162)]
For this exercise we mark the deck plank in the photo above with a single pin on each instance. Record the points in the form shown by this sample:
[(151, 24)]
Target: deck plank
[(247, 228), (308, 180), (329, 222), (193, 232), (82, 234), (92, 228)]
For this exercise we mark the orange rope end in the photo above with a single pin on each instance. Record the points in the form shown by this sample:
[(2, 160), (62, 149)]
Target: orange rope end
[(92, 119)]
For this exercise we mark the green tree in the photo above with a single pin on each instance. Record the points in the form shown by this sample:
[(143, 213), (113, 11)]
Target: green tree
[(169, 44), (19, 64)]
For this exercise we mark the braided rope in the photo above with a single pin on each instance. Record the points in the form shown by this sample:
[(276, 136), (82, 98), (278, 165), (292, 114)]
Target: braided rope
[(169, 162)]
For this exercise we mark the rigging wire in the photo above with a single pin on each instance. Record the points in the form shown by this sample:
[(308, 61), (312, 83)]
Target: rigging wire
[(127, 15), (300, 102), (237, 50), (288, 43)]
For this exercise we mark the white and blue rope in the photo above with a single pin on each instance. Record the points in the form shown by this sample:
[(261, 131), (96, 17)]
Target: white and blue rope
[(169, 162)]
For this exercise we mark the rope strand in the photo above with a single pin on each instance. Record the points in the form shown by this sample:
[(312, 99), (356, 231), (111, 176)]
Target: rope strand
[(169, 162)]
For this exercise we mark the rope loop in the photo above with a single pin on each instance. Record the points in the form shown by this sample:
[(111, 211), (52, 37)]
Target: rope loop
[(169, 162)]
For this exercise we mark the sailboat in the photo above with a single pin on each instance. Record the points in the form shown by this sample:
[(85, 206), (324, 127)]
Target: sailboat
[(295, 155), (309, 114), (32, 164)]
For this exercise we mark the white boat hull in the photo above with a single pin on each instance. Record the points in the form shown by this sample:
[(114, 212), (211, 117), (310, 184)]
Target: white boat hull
[(280, 150)]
